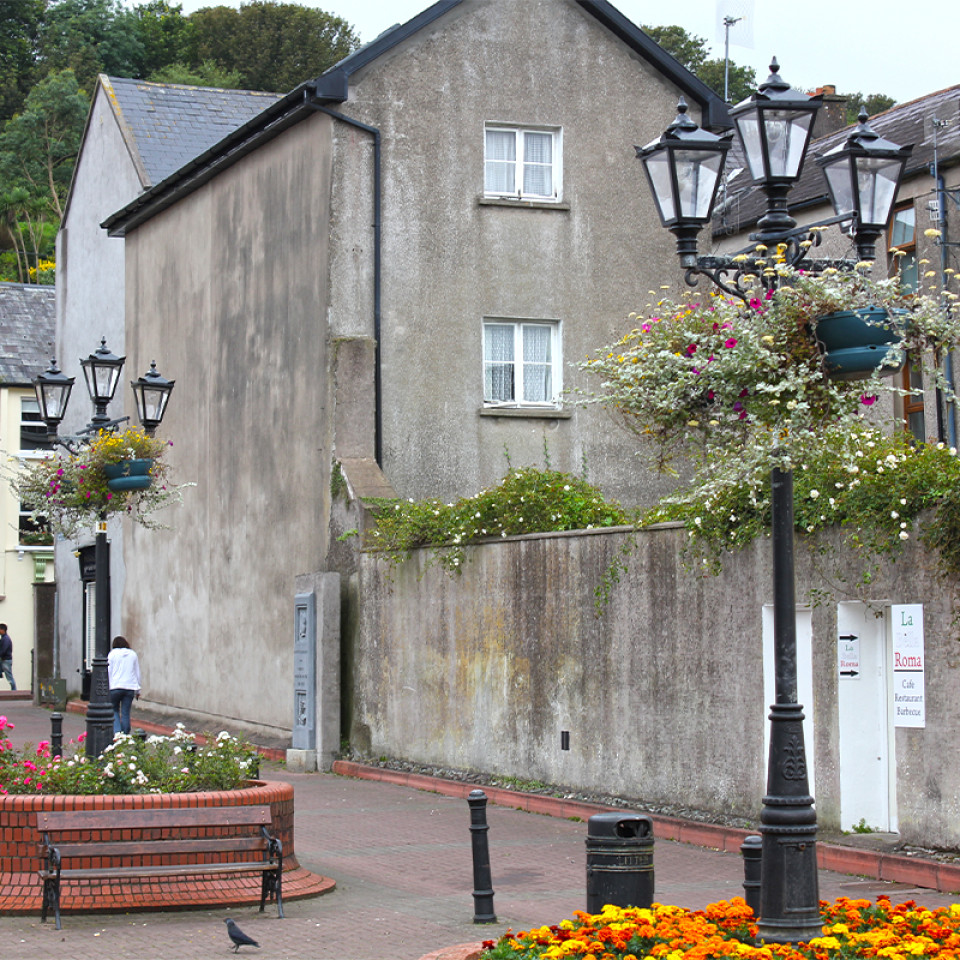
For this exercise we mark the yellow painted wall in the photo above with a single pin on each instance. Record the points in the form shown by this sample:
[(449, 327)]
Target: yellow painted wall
[(21, 566)]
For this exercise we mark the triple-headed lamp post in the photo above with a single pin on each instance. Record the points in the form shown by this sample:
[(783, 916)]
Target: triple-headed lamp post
[(684, 168), (101, 371)]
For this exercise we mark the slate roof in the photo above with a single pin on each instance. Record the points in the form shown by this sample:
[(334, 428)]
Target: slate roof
[(171, 124), (903, 124), (27, 331)]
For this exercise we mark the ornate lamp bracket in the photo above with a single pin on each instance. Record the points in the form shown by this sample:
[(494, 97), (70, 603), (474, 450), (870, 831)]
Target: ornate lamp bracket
[(728, 272)]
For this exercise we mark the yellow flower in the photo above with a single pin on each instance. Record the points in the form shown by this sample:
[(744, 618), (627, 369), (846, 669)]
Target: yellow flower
[(931, 233)]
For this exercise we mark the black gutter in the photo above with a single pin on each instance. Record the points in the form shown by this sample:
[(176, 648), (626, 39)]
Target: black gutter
[(266, 125), (377, 269)]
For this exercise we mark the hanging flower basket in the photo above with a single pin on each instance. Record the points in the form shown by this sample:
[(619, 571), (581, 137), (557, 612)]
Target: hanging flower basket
[(855, 343), (128, 475), (121, 472)]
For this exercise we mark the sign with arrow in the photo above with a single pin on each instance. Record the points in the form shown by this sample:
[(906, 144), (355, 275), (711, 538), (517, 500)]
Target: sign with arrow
[(848, 656)]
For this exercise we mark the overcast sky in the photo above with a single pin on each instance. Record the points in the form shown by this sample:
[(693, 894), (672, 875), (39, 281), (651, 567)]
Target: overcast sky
[(879, 47)]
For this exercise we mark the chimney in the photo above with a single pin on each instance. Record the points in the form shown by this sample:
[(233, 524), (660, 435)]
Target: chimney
[(832, 116)]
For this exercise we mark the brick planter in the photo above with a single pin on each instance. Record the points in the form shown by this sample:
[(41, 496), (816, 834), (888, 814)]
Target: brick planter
[(20, 888)]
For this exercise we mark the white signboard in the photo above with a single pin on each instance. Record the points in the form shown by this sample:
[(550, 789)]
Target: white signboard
[(909, 708), (848, 656)]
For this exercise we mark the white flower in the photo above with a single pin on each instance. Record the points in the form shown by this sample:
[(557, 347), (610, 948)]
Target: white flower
[(894, 514), (904, 535), (814, 494)]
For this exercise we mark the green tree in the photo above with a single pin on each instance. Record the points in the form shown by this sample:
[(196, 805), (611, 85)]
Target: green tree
[(689, 49), (38, 147), (741, 81), (874, 103), (20, 22), (90, 37), (38, 150), (208, 74), (693, 53), (274, 46), (163, 32)]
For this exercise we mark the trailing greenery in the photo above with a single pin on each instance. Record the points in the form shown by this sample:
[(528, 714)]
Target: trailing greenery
[(880, 490), (527, 500)]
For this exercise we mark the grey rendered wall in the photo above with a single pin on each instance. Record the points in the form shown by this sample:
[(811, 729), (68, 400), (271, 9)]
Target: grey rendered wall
[(90, 299), (449, 260), (228, 291), (662, 696)]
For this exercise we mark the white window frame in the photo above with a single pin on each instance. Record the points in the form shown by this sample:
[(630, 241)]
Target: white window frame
[(42, 445), (518, 362), (556, 163)]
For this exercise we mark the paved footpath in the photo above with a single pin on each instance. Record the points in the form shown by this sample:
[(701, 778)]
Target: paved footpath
[(402, 863)]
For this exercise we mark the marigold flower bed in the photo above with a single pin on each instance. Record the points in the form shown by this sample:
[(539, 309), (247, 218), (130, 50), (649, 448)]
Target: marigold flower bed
[(851, 928)]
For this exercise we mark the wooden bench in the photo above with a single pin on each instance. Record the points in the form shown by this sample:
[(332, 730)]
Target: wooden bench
[(186, 841)]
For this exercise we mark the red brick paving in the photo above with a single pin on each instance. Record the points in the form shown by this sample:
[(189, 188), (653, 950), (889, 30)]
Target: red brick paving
[(401, 860)]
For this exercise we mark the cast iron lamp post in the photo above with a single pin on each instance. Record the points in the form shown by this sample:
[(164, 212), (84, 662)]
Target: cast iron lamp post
[(101, 371), (863, 175)]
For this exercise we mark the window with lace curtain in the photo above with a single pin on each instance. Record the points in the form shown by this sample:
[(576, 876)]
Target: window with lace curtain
[(521, 363), (521, 164)]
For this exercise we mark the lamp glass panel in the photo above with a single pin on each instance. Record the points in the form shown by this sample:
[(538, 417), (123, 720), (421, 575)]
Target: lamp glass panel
[(697, 174), (786, 140), (658, 170), (101, 380), (877, 179), (152, 403), (748, 126), (840, 185), (53, 398)]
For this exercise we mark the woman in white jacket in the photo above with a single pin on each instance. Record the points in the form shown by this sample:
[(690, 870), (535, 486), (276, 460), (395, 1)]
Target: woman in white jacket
[(123, 673)]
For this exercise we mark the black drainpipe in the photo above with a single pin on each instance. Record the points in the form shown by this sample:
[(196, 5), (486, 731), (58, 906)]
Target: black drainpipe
[(377, 385)]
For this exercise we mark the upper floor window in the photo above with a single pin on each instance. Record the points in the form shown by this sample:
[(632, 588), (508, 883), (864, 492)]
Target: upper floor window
[(903, 237), (33, 431), (522, 164), (521, 362)]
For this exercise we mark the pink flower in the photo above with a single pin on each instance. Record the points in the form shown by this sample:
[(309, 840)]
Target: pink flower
[(868, 401), (730, 343)]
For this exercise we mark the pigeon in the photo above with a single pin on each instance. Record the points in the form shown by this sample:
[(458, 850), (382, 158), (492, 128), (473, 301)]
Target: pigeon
[(238, 937)]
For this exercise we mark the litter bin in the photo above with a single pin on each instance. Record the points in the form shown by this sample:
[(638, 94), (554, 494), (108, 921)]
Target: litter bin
[(619, 861)]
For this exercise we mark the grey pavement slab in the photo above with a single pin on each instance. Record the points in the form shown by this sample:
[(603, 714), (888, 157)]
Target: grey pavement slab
[(402, 862)]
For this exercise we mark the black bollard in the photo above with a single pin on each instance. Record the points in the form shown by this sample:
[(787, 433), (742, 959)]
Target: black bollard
[(482, 882), (56, 734), (752, 852)]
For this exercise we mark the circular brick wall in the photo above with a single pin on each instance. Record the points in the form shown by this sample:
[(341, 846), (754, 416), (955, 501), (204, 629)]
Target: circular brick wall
[(20, 859)]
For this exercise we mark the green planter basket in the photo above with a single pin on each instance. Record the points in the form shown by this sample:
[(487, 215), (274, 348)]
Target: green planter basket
[(128, 475), (856, 342)]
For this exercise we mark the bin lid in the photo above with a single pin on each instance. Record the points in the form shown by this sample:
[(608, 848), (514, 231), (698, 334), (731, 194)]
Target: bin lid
[(622, 825)]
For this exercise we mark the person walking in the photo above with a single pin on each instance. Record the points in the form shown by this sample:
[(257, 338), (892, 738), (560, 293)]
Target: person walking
[(6, 656), (123, 674)]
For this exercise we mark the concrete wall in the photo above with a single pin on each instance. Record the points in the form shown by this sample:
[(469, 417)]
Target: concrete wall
[(450, 260), (663, 695), (90, 298), (229, 288)]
